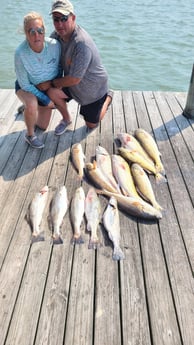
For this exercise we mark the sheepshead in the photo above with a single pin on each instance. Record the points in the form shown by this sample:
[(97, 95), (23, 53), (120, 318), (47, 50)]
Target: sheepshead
[(78, 159), (36, 210), (143, 185), (136, 157), (93, 216), (104, 163), (111, 223), (150, 147), (59, 206), (129, 142), (134, 206), (122, 173), (77, 210), (98, 178)]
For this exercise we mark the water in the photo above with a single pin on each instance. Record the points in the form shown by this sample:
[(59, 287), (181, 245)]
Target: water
[(144, 44)]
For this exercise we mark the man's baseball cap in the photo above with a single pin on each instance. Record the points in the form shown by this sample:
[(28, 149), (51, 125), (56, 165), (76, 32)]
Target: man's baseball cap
[(62, 6)]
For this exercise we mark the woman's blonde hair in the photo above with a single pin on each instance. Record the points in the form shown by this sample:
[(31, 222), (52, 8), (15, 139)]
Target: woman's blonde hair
[(32, 16)]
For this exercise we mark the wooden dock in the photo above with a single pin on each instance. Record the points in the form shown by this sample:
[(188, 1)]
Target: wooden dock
[(72, 295)]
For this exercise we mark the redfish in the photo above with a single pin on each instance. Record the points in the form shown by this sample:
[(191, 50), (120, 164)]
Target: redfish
[(111, 223), (93, 216), (59, 208), (36, 210)]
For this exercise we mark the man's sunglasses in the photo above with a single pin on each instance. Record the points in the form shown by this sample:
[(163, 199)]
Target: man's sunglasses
[(32, 32), (61, 19)]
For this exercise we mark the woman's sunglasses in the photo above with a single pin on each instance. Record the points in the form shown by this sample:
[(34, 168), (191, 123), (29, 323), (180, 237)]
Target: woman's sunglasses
[(32, 32)]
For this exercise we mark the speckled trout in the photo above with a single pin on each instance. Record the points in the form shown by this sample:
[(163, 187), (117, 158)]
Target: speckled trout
[(78, 159), (93, 216), (111, 223), (143, 185), (122, 173), (136, 157), (98, 178), (77, 210), (104, 163), (59, 206), (134, 206), (150, 147), (36, 210)]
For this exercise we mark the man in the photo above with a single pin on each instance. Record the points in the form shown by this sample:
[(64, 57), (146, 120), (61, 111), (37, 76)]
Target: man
[(85, 78)]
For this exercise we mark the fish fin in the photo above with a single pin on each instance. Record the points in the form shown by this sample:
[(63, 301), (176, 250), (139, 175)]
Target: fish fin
[(57, 240), (77, 240), (94, 243), (37, 238), (118, 254), (160, 178)]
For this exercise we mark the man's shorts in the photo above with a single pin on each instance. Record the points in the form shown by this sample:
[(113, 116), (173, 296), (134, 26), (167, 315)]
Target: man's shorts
[(90, 112), (17, 88)]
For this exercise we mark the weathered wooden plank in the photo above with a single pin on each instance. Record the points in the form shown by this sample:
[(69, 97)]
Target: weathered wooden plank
[(79, 321), (178, 189), (55, 300), (164, 326), (135, 324), (21, 242), (8, 112), (174, 249)]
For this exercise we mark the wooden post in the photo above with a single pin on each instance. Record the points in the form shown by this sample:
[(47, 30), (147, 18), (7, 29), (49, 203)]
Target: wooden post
[(188, 112)]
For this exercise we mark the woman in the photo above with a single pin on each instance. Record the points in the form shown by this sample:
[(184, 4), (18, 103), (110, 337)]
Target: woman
[(36, 61)]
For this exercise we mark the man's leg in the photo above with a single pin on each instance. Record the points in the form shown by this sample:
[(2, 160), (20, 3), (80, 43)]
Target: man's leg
[(103, 111)]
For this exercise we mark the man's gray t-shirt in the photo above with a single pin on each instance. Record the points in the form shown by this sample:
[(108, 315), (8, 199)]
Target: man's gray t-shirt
[(80, 59)]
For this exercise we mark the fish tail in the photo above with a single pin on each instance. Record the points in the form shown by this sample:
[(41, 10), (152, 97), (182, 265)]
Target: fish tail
[(57, 240), (77, 240), (160, 169), (93, 243), (160, 178), (157, 206), (37, 238), (118, 254)]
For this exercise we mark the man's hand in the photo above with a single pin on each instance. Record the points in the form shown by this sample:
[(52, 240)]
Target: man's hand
[(44, 86)]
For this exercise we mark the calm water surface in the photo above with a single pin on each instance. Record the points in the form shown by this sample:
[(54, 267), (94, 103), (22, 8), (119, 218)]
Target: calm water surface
[(144, 44)]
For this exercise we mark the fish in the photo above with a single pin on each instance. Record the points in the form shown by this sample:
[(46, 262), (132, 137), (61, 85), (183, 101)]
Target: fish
[(150, 146), (36, 210), (78, 159), (143, 185), (59, 206), (122, 173), (136, 157), (77, 210), (104, 163), (98, 178), (129, 142), (111, 223), (134, 206), (93, 216)]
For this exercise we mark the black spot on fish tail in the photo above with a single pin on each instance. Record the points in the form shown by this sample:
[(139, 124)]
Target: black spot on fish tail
[(77, 240), (57, 240), (38, 238)]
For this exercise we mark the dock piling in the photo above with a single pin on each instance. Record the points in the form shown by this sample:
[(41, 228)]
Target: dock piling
[(188, 111)]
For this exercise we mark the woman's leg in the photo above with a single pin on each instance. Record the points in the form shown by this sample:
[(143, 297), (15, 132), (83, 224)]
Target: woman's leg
[(33, 113)]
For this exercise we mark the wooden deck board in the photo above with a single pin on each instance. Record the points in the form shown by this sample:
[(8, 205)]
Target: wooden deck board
[(67, 295)]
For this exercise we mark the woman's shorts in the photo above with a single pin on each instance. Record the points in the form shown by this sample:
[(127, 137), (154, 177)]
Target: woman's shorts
[(17, 88)]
